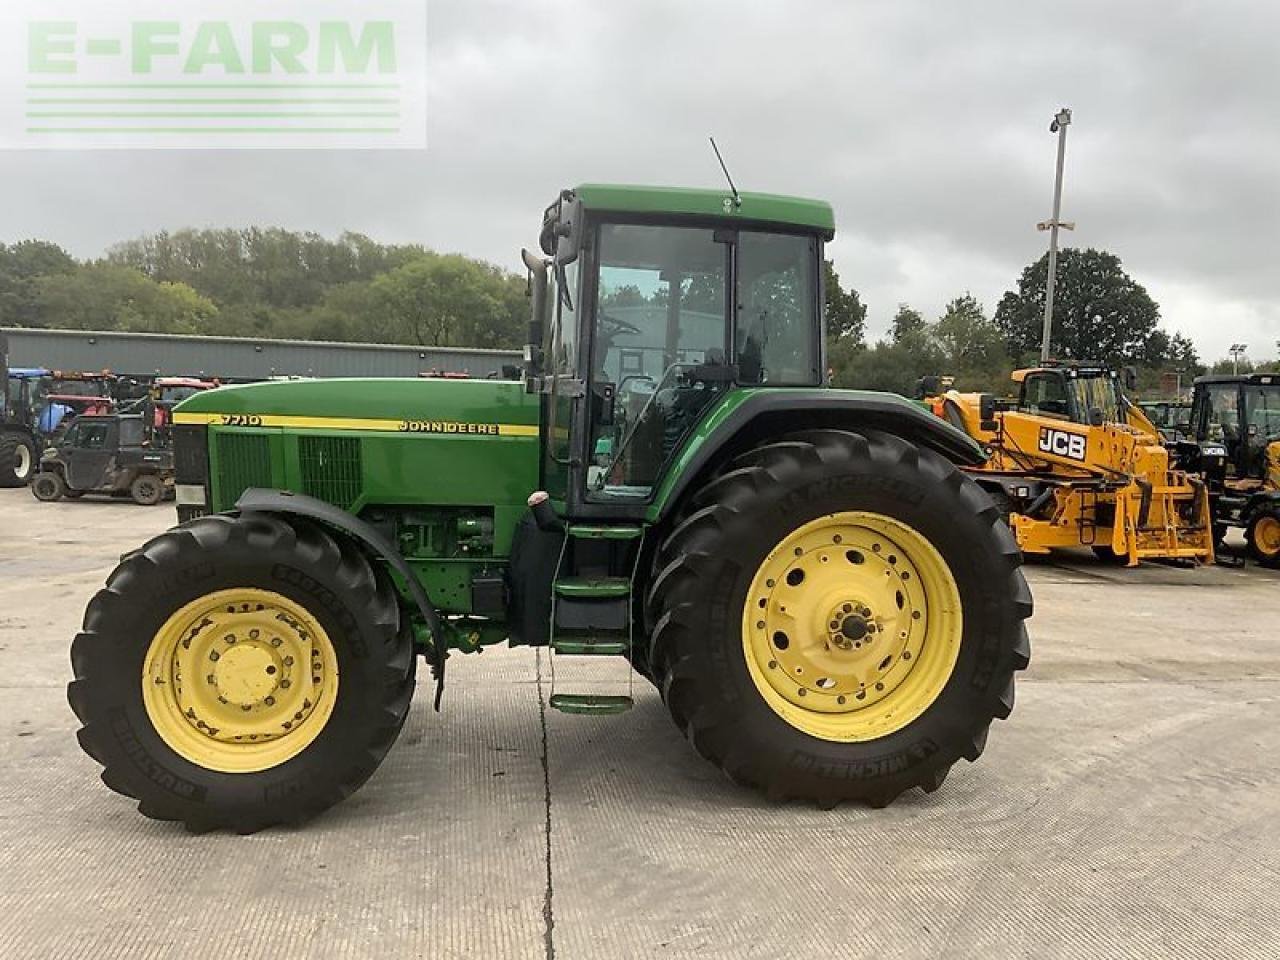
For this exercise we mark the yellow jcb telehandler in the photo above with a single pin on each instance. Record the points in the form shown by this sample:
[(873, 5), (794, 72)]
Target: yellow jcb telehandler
[(1073, 463)]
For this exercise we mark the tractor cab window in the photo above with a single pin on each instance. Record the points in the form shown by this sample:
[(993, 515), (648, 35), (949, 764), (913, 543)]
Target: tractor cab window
[(1262, 412), (658, 353), (1045, 394), (1220, 417), (777, 325)]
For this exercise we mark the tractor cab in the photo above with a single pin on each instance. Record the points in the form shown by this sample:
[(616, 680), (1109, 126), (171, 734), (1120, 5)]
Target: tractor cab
[(647, 320), (1087, 394), (1242, 413)]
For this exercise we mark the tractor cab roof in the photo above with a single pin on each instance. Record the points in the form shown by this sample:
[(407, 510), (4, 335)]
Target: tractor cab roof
[(1253, 379), (757, 208)]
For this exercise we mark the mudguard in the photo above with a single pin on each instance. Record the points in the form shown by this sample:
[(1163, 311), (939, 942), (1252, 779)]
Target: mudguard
[(761, 414), (258, 500)]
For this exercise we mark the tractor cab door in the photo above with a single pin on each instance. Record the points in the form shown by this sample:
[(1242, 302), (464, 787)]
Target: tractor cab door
[(87, 451), (1216, 418), (1261, 420)]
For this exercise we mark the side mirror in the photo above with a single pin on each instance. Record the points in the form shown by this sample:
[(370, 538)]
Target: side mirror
[(987, 413), (1096, 417), (1129, 376)]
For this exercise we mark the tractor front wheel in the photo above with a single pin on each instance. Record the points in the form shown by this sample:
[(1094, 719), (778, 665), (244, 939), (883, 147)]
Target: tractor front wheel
[(48, 486), (240, 672), (839, 617), (1263, 537)]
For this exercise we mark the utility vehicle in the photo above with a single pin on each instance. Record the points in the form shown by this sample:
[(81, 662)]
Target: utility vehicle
[(111, 454), (830, 609)]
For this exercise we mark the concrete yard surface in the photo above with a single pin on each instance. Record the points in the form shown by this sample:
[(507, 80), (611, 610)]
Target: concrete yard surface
[(1130, 807)]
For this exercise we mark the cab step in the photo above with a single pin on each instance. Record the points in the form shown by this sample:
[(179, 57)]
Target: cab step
[(596, 531), (593, 588), (590, 703), (588, 646)]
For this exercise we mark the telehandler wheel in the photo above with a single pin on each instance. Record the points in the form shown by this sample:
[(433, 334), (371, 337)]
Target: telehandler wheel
[(17, 461), (147, 490), (839, 617), (1108, 555), (1263, 537), (49, 487), (240, 672)]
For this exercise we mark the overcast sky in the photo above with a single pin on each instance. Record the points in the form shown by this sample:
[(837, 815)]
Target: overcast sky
[(924, 123)]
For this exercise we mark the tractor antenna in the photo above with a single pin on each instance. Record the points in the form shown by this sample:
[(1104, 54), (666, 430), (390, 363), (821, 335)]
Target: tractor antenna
[(737, 197)]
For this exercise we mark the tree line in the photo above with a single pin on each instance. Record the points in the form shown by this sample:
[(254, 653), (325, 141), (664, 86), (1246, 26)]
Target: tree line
[(266, 283), (274, 283)]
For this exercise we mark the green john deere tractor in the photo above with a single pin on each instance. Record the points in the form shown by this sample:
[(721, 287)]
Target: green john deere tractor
[(830, 609)]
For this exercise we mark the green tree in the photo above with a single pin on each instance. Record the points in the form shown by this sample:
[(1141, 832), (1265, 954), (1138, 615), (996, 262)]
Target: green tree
[(1100, 313), (906, 322), (102, 296), (972, 345), (21, 266), (846, 316)]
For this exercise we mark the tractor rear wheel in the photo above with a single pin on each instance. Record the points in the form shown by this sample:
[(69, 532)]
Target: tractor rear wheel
[(48, 486), (839, 617), (1263, 537), (147, 490), (17, 460), (240, 672)]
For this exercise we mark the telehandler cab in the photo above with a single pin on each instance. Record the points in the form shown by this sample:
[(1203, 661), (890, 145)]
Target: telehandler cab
[(829, 607), (1074, 463)]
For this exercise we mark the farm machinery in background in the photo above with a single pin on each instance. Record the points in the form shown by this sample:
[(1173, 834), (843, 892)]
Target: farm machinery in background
[(36, 406), (1232, 439), (1073, 463)]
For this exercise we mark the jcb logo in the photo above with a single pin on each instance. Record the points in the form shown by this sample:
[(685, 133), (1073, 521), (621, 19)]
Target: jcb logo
[(1063, 443)]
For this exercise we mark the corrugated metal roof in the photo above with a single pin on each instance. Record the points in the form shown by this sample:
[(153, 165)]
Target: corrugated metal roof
[(235, 358)]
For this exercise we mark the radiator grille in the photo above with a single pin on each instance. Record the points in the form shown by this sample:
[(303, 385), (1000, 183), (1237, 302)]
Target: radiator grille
[(244, 461), (330, 469)]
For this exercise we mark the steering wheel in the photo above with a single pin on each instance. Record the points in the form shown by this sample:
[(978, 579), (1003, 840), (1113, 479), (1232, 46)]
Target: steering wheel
[(618, 326)]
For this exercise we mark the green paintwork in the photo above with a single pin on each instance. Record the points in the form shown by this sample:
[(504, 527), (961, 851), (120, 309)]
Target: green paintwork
[(584, 703), (682, 201), (593, 587), (725, 407), (588, 646), (496, 401), (586, 531)]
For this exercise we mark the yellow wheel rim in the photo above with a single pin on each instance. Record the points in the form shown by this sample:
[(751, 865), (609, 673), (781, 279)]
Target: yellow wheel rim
[(240, 680), (1266, 535), (852, 626)]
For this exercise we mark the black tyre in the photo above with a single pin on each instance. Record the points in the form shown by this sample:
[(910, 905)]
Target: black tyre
[(17, 460), (147, 490), (1108, 555), (48, 486), (193, 660), (904, 549), (1263, 536)]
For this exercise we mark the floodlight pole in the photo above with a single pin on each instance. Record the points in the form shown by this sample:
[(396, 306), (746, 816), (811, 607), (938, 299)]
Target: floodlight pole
[(1061, 121)]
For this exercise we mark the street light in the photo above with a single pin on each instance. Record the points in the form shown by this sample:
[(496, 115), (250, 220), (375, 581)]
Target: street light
[(1061, 120), (1237, 351)]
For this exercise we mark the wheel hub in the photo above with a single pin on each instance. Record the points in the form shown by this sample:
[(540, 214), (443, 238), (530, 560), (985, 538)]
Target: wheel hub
[(838, 619), (239, 677)]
